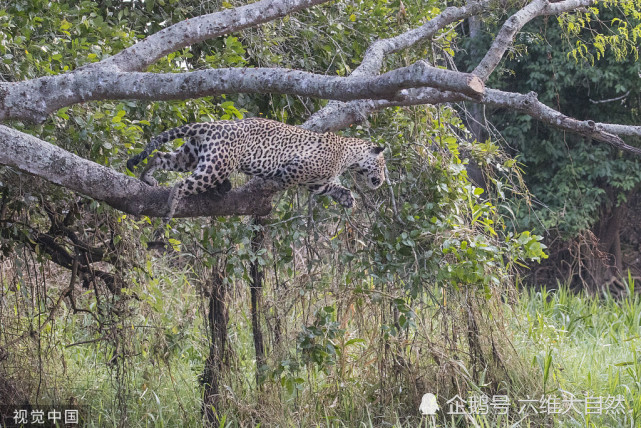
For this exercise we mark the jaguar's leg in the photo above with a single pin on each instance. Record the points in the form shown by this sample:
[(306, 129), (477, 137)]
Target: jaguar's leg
[(287, 174), (203, 179), (183, 159), (223, 187), (334, 189), (152, 165)]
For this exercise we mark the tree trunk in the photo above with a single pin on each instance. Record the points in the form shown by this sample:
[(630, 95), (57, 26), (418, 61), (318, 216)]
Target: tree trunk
[(606, 266), (608, 231), (217, 318), (256, 289), (476, 122)]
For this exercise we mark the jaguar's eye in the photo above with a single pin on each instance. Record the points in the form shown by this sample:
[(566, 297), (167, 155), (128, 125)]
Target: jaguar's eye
[(376, 181)]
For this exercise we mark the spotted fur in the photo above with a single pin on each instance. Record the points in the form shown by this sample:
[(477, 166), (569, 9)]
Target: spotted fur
[(266, 149)]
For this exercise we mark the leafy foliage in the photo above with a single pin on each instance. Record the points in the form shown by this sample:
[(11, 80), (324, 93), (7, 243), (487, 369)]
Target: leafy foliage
[(574, 181)]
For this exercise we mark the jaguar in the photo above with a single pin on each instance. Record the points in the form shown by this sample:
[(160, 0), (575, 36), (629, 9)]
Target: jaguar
[(263, 148)]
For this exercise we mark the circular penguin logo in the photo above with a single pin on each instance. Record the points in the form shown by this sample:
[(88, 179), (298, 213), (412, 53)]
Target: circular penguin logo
[(429, 406)]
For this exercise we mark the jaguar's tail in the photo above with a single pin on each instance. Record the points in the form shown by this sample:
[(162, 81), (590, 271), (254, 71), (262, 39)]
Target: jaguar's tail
[(158, 141)]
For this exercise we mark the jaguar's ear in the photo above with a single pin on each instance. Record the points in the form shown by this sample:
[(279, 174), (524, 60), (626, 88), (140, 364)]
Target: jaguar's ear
[(377, 150)]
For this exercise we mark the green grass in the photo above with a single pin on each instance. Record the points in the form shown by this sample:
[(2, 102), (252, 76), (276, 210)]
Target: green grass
[(583, 345), (574, 343)]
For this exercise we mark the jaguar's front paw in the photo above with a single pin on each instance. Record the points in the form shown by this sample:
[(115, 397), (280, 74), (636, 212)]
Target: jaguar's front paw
[(347, 200)]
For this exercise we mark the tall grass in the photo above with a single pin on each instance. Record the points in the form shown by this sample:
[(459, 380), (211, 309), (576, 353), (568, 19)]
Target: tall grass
[(566, 344), (583, 345), (571, 343)]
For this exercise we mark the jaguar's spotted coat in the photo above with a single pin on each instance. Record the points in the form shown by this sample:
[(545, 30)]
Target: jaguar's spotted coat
[(262, 148)]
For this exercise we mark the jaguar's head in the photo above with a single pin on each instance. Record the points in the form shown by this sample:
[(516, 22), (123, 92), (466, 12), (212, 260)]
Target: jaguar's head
[(370, 169)]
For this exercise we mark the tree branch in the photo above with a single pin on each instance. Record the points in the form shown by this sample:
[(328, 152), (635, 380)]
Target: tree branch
[(513, 25), (36, 99), (194, 30), (530, 105), (338, 115), (373, 59)]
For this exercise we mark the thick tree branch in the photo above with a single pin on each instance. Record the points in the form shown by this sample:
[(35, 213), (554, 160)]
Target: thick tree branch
[(36, 99), (340, 115), (513, 25), (621, 130), (190, 31), (527, 104), (127, 194)]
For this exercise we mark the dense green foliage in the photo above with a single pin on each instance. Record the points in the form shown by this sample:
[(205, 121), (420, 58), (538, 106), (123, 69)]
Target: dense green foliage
[(584, 70), (572, 177)]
